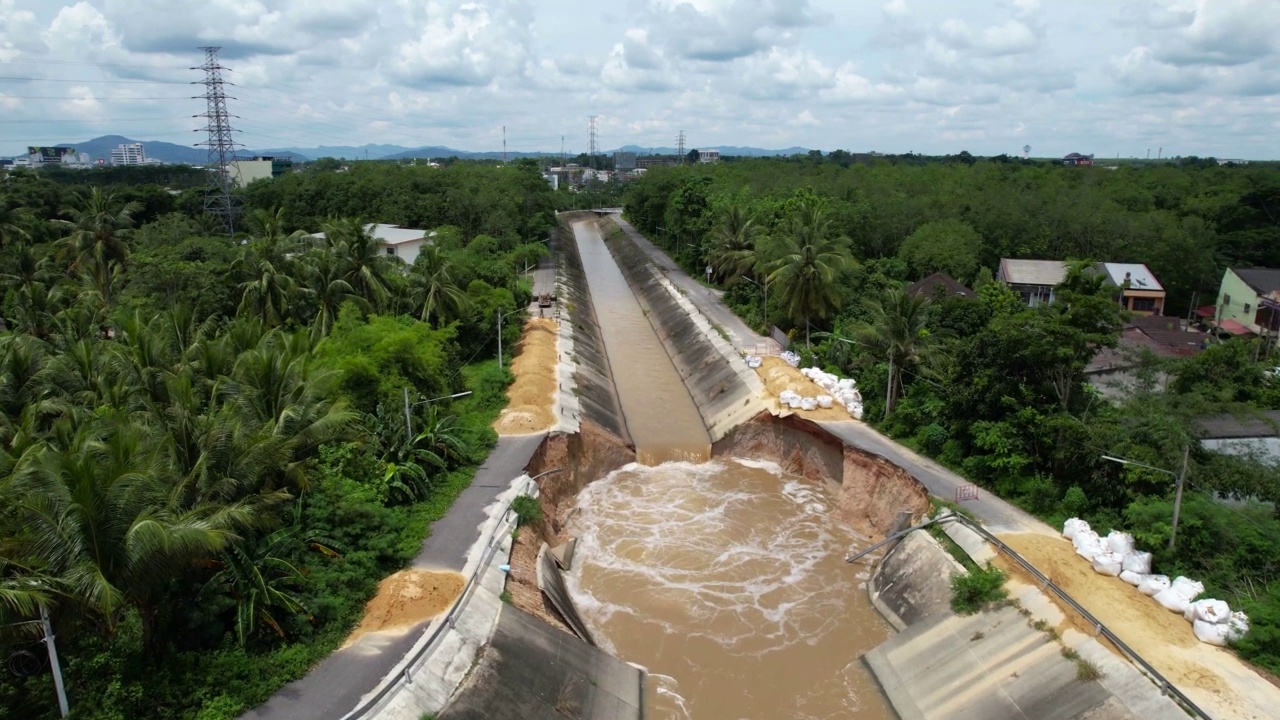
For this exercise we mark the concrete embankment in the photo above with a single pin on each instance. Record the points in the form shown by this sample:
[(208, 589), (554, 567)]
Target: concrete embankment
[(595, 392), (725, 391)]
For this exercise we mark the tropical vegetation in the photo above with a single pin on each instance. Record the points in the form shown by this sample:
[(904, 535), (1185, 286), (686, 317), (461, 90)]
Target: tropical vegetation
[(205, 467)]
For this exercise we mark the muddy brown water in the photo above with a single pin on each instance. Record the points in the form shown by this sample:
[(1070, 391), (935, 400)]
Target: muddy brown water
[(724, 578), (663, 421)]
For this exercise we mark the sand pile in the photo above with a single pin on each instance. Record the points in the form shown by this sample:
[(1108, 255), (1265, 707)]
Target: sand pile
[(406, 599), (531, 407), (1213, 677), (778, 376)]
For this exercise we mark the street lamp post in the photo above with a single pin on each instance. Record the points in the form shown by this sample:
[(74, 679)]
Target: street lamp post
[(408, 418), (1181, 477)]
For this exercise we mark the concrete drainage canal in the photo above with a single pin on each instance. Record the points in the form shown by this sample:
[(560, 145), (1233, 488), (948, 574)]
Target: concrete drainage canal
[(723, 577)]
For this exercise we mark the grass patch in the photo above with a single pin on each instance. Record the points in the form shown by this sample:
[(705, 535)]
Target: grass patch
[(505, 597), (1086, 671), (977, 589)]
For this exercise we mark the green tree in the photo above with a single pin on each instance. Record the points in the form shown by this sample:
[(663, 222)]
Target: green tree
[(812, 259), (97, 242), (948, 246), (433, 292), (732, 245), (897, 330)]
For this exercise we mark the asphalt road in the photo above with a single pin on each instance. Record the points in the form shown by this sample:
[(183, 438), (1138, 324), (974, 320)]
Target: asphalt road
[(335, 686)]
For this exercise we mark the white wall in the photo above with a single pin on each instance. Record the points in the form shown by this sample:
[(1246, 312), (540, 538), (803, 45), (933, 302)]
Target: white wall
[(408, 251)]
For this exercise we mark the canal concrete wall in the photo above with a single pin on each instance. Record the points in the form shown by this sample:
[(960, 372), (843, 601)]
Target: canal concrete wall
[(725, 391), (590, 383)]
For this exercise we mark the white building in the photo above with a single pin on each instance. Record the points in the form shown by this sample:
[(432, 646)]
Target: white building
[(708, 156), (128, 154), (404, 243)]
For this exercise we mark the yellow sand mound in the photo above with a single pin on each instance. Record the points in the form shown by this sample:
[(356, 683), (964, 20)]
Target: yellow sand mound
[(778, 376), (406, 599), (531, 407)]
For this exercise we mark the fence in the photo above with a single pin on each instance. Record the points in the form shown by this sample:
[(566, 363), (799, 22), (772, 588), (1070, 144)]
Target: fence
[(403, 671), (1045, 583)]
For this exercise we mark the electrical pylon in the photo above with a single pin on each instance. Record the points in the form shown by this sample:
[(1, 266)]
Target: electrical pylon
[(218, 200)]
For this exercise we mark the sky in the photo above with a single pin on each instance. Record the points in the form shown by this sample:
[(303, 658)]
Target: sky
[(1105, 77)]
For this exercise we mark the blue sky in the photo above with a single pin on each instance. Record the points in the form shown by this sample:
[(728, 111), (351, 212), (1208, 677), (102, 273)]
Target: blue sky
[(1194, 77)]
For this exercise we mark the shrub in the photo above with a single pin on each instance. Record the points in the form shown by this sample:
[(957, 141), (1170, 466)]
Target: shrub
[(527, 509), (977, 589)]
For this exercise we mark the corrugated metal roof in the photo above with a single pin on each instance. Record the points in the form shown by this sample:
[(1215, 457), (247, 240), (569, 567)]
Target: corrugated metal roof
[(388, 234), (1140, 277), (1262, 280), (1261, 424), (1033, 272)]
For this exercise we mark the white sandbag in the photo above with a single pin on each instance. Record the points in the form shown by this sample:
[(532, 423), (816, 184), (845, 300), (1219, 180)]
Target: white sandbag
[(1138, 562), (1153, 584), (1237, 626), (1131, 577), (1120, 542), (1091, 549), (809, 404), (1214, 611), (1187, 588), (824, 401), (856, 412), (795, 402), (1085, 536), (791, 358), (1108, 563), (1071, 526), (1170, 599), (1211, 633), (845, 384), (1190, 613), (785, 396)]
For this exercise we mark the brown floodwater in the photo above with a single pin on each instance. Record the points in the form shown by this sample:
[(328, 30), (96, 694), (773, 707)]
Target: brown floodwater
[(725, 579), (663, 421)]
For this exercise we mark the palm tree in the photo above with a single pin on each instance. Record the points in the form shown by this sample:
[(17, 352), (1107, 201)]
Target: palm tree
[(259, 580), (364, 266), (267, 259), (897, 332), (434, 294), (733, 244), (325, 290), (811, 261), (13, 225), (98, 239)]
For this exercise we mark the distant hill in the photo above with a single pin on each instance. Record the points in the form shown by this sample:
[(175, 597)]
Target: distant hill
[(101, 147)]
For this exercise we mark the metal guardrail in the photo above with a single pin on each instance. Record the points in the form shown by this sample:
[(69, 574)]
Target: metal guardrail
[(450, 618), (1165, 686)]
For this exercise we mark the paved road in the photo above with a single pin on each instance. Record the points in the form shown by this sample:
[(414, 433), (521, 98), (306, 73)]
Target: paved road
[(333, 687), (996, 514), (708, 300)]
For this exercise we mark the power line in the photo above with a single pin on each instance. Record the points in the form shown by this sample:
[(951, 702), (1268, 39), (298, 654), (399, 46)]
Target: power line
[(95, 120), (90, 64), (107, 82), (91, 97)]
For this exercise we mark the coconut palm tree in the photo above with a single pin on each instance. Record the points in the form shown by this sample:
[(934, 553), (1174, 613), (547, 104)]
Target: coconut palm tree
[(734, 243), (432, 289), (268, 261), (811, 261), (97, 242), (325, 290), (14, 224), (260, 580), (365, 267), (897, 332)]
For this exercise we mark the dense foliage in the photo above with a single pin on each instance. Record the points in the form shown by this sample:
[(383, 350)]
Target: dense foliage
[(990, 387), (204, 463)]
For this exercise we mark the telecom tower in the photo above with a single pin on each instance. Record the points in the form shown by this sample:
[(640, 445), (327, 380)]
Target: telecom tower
[(218, 200), (680, 147), (591, 139)]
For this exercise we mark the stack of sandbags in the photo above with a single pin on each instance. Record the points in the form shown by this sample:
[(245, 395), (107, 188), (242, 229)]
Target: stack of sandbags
[(754, 361), (1154, 584), (1179, 594), (1120, 542), (1211, 621), (790, 358), (825, 401), (809, 403), (1237, 626), (1072, 526)]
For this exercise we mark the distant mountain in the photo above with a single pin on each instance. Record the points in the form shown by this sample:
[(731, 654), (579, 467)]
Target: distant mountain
[(341, 152), (724, 150), (100, 149)]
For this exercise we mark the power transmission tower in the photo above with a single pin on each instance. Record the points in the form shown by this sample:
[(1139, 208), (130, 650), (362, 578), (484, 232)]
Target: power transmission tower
[(218, 200), (680, 147), (591, 140), (561, 151), (504, 144)]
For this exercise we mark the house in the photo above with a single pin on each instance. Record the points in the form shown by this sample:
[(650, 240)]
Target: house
[(940, 285), (1248, 301), (245, 170), (404, 243), (1034, 280), (1077, 159), (1140, 291), (1112, 371), (708, 156), (1256, 435)]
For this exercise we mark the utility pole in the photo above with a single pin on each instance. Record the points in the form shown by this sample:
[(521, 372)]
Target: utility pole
[(504, 144), (680, 147), (561, 151), (54, 665), (218, 200), (1177, 498), (499, 338), (408, 420)]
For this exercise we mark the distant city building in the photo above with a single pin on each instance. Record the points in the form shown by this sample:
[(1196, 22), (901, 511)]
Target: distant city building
[(708, 156), (653, 161), (128, 154), (552, 179), (246, 170), (1077, 159), (624, 161)]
